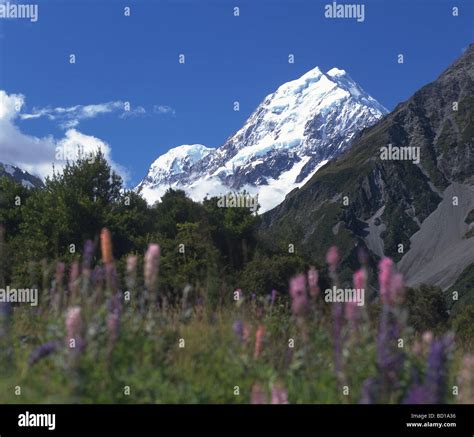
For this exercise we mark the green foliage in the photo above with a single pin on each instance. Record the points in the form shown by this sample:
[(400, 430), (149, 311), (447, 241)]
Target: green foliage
[(428, 310), (464, 328)]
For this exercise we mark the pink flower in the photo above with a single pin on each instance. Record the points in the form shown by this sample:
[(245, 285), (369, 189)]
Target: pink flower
[(279, 395), (258, 395), (313, 282), (332, 258), (131, 264), (299, 298), (74, 325), (152, 260), (397, 289), (385, 278)]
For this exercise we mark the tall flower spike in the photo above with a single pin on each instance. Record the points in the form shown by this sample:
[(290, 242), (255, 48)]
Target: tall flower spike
[(332, 258), (313, 282), (385, 279), (106, 246), (299, 298), (152, 260), (74, 328)]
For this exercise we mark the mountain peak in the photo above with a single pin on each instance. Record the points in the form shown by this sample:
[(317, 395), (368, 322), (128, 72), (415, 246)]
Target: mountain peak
[(334, 72), (289, 136)]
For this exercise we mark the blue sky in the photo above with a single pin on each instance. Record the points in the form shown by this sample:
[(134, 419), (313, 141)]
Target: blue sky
[(228, 58)]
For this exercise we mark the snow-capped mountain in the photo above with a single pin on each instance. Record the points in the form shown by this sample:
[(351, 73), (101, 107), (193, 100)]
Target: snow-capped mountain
[(19, 175), (293, 132)]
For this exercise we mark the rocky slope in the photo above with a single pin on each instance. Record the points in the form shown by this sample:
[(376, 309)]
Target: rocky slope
[(421, 214)]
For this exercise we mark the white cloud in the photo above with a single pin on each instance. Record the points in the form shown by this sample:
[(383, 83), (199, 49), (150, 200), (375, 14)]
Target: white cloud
[(163, 109), (38, 155), (71, 117)]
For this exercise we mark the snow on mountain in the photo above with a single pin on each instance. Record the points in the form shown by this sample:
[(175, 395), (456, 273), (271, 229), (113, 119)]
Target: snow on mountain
[(19, 175), (293, 132)]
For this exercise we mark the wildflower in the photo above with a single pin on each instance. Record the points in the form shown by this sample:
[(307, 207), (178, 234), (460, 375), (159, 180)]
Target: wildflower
[(273, 297), (313, 282), (258, 395), (419, 394), (279, 394), (73, 280), (436, 375), (370, 391), (74, 328), (299, 298), (332, 258), (238, 328), (259, 340), (152, 260), (106, 246), (359, 279), (385, 279), (42, 351), (87, 255), (466, 380), (362, 256), (131, 277)]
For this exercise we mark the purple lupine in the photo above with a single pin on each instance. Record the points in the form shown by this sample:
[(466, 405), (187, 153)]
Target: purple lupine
[(238, 328), (370, 391), (43, 351), (87, 255), (299, 298), (273, 298), (434, 388), (389, 357), (362, 256), (98, 277), (113, 322), (436, 375), (419, 394)]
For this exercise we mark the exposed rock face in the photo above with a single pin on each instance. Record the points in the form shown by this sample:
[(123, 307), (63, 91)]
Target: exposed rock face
[(403, 204)]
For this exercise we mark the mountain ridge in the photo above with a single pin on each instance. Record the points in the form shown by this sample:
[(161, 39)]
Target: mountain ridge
[(295, 130)]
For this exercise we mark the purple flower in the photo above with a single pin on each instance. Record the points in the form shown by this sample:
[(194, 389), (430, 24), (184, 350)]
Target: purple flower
[(419, 394), (87, 254), (238, 328), (273, 297), (42, 351)]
